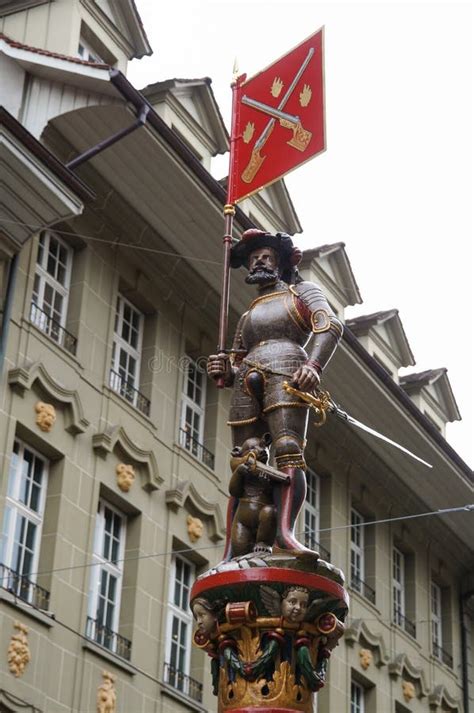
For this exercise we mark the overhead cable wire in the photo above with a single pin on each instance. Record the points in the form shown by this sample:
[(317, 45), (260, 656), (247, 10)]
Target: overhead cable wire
[(187, 550)]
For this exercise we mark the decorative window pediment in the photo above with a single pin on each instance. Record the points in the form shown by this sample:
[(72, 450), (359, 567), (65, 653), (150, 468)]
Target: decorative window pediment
[(210, 512), (22, 379), (106, 441)]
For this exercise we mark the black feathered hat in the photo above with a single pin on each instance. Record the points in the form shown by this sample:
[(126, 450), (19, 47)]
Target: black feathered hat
[(253, 239)]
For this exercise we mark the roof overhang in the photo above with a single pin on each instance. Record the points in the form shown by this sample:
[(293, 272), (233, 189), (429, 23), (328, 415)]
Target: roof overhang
[(37, 189), (61, 69), (391, 412), (8, 7), (152, 176)]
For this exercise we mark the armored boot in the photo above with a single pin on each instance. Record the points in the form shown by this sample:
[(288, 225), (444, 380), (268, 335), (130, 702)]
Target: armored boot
[(289, 499)]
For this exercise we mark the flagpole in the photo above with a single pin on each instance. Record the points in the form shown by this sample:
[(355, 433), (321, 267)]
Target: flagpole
[(229, 212)]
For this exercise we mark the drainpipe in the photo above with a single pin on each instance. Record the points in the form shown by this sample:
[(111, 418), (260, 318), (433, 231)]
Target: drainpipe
[(7, 307), (464, 649), (105, 143)]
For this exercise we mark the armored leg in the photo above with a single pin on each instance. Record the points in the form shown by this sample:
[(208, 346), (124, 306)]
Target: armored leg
[(288, 428)]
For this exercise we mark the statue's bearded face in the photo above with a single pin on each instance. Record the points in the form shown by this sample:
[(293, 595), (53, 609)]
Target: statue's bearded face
[(262, 267)]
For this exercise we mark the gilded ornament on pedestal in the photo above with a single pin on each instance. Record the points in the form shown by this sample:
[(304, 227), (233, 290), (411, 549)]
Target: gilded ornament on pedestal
[(46, 416), (195, 528), (409, 691), (106, 694), (366, 658), (19, 654), (125, 476)]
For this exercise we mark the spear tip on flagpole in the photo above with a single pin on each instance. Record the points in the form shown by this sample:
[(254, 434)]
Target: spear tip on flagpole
[(235, 70)]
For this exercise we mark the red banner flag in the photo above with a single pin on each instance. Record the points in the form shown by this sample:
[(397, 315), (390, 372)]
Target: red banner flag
[(277, 119)]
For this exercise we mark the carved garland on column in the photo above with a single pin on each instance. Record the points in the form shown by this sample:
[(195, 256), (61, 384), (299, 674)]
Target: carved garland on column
[(19, 654)]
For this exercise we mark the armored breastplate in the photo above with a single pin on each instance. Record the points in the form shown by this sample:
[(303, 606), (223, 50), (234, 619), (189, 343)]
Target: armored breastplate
[(279, 317)]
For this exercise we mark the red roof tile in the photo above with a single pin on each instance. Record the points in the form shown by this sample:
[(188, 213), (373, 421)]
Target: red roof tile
[(54, 55)]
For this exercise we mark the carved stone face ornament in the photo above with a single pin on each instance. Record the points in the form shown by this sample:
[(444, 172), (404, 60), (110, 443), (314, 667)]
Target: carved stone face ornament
[(365, 656), (46, 416), (409, 691), (195, 528), (125, 476)]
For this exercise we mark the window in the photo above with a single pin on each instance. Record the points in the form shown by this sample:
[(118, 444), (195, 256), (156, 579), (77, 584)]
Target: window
[(193, 404), (51, 289), (178, 646), (85, 51), (22, 524), (126, 354), (106, 580), (399, 592), (311, 510), (357, 698), (440, 624), (398, 586), (357, 551), (436, 626)]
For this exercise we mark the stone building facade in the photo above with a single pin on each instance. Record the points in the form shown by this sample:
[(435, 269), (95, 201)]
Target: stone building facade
[(114, 446)]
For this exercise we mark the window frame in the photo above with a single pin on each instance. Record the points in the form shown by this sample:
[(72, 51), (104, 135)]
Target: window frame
[(312, 510), (18, 510), (357, 550), (184, 616), (357, 706), (436, 621), (120, 343), (45, 278), (398, 587), (101, 564), (196, 408)]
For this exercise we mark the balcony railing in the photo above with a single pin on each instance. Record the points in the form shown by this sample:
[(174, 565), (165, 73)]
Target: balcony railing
[(197, 449), (182, 682), (363, 588), (442, 655), (404, 622), (53, 329), (129, 392), (24, 588), (311, 542), (109, 639)]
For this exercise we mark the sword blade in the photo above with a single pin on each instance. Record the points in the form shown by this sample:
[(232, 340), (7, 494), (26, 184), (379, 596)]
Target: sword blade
[(354, 422)]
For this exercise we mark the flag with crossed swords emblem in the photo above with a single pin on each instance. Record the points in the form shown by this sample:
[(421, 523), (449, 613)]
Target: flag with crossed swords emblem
[(278, 119)]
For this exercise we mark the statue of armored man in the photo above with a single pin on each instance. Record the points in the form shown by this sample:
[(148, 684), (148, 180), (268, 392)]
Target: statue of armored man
[(270, 614)]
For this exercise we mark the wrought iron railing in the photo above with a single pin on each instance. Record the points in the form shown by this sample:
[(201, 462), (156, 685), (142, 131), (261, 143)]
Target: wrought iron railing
[(109, 639), (196, 449), (311, 542), (24, 588), (442, 655), (182, 682), (53, 329), (404, 622), (363, 588), (129, 392)]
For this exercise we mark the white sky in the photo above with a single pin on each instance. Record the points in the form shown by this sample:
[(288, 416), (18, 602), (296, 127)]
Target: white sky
[(395, 184)]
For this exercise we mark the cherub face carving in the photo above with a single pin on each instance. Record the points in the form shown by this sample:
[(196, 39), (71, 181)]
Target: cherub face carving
[(125, 476), (46, 416), (206, 618), (294, 604)]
